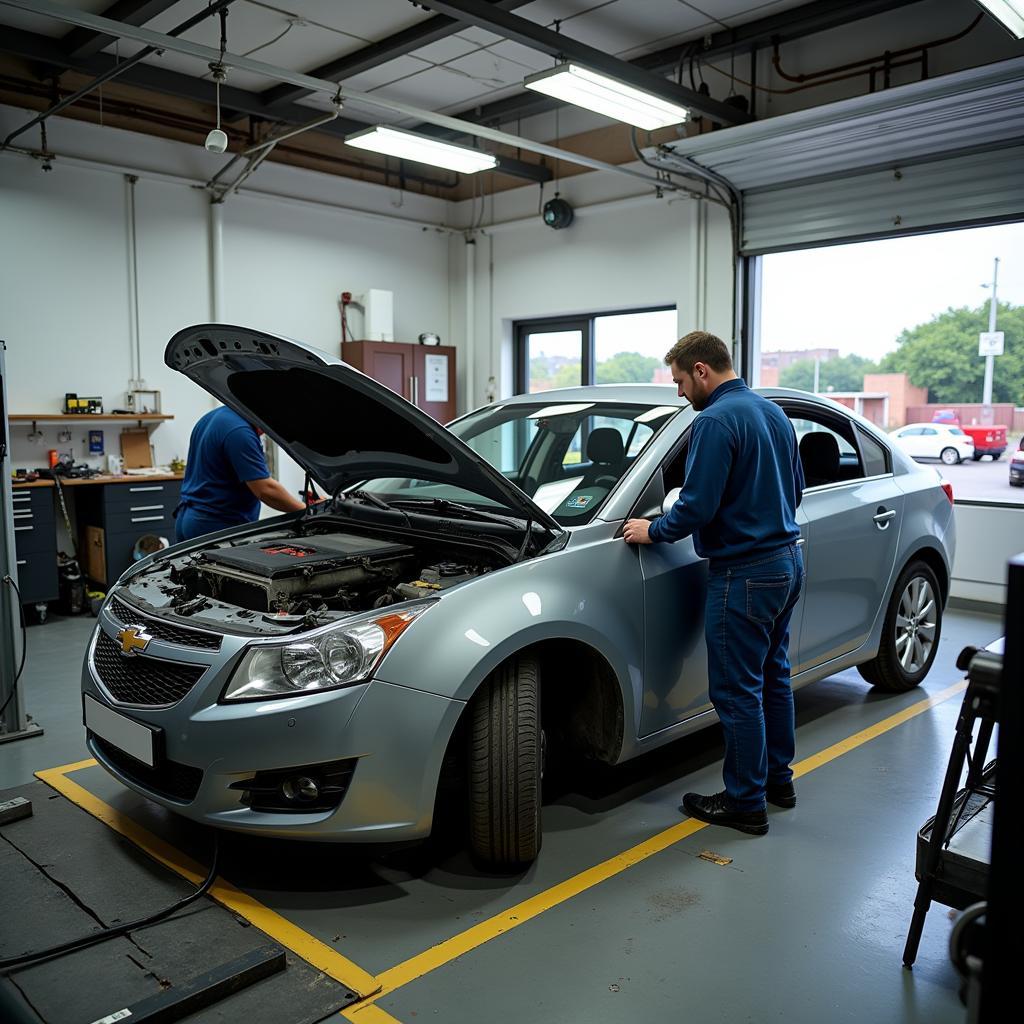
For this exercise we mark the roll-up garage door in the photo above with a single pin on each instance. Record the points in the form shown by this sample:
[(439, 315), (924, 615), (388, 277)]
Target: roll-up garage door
[(936, 154)]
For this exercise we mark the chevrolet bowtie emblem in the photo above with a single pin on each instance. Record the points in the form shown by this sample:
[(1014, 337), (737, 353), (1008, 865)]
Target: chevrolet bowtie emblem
[(133, 639)]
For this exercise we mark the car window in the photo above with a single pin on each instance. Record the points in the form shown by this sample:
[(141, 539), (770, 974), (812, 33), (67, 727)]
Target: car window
[(873, 454), (929, 431), (957, 431), (566, 456), (910, 432), (818, 468)]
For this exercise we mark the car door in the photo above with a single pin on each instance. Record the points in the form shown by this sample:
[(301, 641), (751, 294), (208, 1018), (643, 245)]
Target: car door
[(675, 671), (930, 443), (853, 529), (910, 440)]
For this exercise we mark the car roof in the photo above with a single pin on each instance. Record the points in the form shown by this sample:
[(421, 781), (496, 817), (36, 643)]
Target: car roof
[(643, 394)]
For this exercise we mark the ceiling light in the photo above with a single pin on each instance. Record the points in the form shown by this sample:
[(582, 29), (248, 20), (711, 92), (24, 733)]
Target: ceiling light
[(1009, 12), (424, 150), (607, 96)]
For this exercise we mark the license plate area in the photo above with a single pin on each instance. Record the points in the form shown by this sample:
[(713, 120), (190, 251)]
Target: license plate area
[(135, 739)]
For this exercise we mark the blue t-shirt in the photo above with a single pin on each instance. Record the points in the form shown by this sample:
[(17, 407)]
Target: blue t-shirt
[(744, 479), (223, 453)]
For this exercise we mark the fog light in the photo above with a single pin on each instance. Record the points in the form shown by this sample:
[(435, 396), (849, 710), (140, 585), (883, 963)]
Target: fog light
[(300, 789)]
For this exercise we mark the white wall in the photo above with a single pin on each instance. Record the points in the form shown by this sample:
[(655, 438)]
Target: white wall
[(64, 301), (625, 249), (987, 536)]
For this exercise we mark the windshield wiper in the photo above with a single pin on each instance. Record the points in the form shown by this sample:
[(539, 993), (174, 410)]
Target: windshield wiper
[(372, 499), (443, 506)]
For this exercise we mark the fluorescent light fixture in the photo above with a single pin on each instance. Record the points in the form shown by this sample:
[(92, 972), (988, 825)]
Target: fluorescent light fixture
[(1009, 12), (424, 150), (607, 96)]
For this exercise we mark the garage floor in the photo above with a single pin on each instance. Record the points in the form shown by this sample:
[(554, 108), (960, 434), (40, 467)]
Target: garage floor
[(628, 915)]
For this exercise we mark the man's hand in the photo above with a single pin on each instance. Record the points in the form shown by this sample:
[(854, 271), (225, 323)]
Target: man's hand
[(637, 531)]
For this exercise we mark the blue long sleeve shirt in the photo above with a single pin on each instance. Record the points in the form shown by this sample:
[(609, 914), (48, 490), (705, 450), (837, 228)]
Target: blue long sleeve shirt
[(744, 479)]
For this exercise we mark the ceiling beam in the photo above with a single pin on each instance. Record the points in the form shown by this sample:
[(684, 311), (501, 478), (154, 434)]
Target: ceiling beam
[(81, 42), (393, 46), (207, 54), (561, 47), (795, 23), (48, 51)]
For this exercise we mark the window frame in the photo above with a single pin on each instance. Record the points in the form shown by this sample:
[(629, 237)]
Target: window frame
[(584, 323)]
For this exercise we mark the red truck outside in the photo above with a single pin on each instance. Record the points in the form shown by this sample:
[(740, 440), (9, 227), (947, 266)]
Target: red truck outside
[(988, 440)]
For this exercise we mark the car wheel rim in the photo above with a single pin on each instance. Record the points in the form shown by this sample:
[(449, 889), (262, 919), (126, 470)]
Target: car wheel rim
[(948, 456), (916, 625)]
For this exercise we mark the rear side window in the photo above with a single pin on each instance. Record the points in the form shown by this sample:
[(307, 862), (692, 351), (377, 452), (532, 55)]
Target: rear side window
[(958, 431), (873, 454)]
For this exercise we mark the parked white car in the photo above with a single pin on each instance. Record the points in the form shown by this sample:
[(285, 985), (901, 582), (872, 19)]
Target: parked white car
[(934, 441)]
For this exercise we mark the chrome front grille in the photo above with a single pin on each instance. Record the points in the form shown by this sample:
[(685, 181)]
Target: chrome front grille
[(159, 629), (142, 681)]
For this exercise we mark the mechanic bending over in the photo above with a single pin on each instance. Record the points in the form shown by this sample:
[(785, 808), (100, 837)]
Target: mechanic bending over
[(743, 484), (226, 477)]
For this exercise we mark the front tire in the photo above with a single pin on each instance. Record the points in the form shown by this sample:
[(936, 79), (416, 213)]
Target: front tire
[(505, 765), (949, 456), (910, 632)]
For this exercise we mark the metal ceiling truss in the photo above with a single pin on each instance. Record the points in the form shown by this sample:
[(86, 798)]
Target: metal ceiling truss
[(207, 55), (52, 53), (372, 56), (562, 48), (796, 23), (80, 50)]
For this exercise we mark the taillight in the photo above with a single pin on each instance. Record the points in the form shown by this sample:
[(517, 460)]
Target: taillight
[(948, 488)]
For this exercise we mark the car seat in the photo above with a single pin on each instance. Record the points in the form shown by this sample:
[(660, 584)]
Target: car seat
[(606, 454), (819, 453)]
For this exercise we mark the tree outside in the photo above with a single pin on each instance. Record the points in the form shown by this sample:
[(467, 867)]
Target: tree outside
[(845, 373), (627, 368), (942, 355)]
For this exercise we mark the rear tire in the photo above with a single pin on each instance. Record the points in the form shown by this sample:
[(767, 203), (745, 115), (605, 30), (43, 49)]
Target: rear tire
[(505, 766), (949, 456), (976, 456), (910, 632)]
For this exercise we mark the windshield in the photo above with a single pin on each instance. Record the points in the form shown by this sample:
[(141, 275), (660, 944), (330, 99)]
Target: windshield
[(566, 457)]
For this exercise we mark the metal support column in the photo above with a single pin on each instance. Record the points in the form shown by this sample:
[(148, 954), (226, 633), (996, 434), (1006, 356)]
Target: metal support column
[(14, 723)]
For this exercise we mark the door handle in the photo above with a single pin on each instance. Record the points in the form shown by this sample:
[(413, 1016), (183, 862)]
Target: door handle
[(416, 391), (882, 519), (412, 390)]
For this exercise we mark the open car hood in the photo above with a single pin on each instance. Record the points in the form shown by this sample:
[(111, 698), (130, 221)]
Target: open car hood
[(338, 424)]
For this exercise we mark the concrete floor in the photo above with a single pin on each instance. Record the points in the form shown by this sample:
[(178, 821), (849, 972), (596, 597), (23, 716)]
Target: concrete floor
[(804, 925)]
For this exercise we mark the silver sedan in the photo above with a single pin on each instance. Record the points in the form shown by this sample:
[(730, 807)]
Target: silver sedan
[(464, 602)]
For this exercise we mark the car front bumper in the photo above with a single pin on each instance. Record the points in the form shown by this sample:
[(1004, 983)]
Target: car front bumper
[(396, 736)]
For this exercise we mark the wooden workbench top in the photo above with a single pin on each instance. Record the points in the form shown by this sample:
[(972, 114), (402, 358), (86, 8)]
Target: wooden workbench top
[(82, 481)]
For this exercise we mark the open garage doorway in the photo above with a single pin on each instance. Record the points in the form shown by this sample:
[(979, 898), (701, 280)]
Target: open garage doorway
[(891, 328)]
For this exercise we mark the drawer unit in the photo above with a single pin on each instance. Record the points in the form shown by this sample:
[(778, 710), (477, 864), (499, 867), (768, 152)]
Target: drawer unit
[(35, 543), (125, 512)]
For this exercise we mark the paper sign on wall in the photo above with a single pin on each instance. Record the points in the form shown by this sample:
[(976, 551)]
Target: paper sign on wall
[(436, 372)]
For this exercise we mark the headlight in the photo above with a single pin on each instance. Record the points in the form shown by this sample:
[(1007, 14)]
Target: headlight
[(339, 656)]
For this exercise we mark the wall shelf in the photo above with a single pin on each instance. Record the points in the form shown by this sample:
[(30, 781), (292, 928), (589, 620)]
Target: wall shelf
[(86, 417)]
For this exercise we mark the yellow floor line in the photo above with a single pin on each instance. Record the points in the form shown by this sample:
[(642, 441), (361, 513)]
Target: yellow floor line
[(457, 945), (311, 949), (371, 989)]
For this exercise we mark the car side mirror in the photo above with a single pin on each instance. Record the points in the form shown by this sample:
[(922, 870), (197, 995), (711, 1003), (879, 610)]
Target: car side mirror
[(670, 499)]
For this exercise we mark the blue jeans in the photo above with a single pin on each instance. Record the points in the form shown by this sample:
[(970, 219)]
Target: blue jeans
[(746, 626), (190, 523)]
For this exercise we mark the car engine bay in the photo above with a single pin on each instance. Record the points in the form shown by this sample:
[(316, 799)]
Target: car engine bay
[(286, 579)]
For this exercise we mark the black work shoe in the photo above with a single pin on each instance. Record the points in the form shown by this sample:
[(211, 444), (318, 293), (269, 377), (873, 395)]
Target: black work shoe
[(782, 794), (716, 810)]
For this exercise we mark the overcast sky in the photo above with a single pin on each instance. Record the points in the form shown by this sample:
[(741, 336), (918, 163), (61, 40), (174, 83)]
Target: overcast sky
[(858, 298)]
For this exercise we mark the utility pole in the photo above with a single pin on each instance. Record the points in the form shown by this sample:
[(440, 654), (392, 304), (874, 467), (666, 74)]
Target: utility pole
[(986, 395)]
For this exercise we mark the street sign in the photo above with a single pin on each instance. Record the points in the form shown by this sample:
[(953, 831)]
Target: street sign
[(990, 343)]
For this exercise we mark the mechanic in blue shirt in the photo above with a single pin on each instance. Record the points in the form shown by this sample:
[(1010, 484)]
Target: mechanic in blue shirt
[(744, 481), (226, 477)]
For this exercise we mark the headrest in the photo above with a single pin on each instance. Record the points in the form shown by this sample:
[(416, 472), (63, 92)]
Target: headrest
[(605, 445), (819, 452)]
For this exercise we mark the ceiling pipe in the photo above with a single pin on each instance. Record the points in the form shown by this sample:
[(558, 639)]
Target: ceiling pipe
[(207, 55)]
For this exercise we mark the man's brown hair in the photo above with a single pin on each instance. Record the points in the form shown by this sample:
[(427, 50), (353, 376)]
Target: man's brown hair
[(699, 347)]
